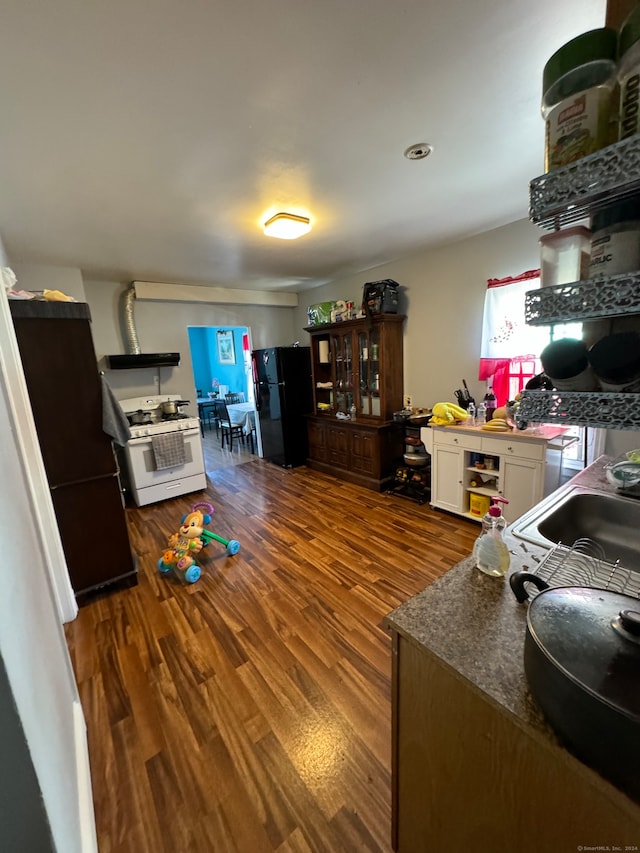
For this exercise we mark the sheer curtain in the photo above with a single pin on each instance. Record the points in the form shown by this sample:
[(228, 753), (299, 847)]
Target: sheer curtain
[(507, 341)]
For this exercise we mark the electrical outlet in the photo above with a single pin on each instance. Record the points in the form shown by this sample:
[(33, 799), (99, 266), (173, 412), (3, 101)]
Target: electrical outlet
[(407, 401)]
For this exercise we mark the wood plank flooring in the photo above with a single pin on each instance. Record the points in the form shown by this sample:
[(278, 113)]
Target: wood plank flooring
[(250, 712), (216, 458)]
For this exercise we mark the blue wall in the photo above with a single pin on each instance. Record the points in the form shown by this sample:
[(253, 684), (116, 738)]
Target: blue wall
[(204, 357)]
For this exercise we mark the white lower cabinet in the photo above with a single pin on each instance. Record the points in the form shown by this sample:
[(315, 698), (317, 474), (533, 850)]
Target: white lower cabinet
[(521, 481), (446, 478), (514, 468)]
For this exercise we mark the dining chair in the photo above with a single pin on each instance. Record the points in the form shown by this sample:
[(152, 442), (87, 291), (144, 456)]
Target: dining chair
[(237, 397), (253, 438), (206, 412), (227, 429)]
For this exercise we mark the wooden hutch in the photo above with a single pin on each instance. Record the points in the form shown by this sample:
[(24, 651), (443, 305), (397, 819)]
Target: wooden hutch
[(357, 363)]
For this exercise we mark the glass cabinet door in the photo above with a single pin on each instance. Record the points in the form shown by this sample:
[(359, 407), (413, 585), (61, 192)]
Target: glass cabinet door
[(364, 398), (344, 372), (369, 372), (374, 370)]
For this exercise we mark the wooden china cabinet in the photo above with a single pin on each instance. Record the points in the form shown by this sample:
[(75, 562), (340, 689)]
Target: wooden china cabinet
[(357, 363)]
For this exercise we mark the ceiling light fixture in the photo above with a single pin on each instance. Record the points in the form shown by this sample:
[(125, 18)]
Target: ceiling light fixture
[(287, 226)]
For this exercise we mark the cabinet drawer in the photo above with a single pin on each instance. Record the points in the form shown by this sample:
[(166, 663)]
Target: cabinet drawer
[(510, 447), (458, 439)]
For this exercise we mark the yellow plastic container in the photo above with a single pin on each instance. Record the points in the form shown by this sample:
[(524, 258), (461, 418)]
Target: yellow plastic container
[(479, 504)]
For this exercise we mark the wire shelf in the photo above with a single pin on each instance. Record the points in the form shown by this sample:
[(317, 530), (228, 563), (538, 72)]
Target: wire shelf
[(589, 408), (615, 296), (575, 191), (583, 564)]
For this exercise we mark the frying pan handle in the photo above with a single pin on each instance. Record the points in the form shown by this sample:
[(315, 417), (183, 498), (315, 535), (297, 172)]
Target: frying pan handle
[(518, 580)]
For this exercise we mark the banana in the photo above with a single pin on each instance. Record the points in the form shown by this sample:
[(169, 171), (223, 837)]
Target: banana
[(458, 412)]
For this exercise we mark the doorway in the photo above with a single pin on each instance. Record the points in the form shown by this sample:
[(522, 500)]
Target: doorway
[(221, 363)]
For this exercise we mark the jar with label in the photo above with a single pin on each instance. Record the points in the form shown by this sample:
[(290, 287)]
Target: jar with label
[(579, 100), (566, 363), (629, 75), (615, 239), (616, 362)]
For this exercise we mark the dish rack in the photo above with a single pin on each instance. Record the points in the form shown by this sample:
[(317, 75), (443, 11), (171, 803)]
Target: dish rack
[(583, 564)]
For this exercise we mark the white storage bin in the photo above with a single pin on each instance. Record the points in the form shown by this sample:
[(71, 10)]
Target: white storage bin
[(565, 256)]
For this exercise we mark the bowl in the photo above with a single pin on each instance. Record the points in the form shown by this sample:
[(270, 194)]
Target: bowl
[(624, 474), (416, 460)]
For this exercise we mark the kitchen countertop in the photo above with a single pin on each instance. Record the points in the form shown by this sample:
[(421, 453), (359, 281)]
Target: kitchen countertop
[(542, 433), (474, 625)]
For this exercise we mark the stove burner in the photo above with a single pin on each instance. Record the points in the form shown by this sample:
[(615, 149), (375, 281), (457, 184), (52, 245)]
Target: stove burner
[(176, 416)]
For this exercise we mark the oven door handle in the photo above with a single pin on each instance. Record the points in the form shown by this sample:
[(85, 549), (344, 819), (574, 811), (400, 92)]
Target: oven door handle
[(146, 439)]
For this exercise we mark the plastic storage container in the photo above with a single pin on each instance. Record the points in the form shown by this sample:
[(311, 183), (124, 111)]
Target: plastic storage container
[(629, 75), (615, 239), (490, 550), (579, 97), (615, 360), (566, 363), (565, 256), (479, 505)]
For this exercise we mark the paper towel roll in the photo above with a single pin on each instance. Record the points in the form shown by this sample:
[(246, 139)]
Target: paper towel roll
[(323, 351)]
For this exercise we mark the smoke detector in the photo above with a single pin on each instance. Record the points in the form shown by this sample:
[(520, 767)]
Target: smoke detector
[(418, 151)]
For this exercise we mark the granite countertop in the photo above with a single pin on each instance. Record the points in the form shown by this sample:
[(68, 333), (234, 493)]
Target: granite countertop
[(472, 622)]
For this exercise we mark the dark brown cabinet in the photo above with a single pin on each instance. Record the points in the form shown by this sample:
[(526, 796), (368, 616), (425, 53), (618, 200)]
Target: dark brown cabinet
[(357, 363), (59, 363), (365, 454)]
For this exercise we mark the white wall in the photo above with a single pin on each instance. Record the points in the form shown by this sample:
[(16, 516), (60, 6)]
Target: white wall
[(443, 292), (443, 297), (68, 280), (162, 327), (43, 732)]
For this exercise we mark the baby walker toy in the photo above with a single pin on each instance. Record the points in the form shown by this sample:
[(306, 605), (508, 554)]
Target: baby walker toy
[(190, 539)]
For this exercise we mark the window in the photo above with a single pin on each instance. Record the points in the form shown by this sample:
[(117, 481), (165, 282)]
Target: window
[(510, 348)]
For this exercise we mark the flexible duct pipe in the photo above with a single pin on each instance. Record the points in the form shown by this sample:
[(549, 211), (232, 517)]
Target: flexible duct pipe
[(132, 345)]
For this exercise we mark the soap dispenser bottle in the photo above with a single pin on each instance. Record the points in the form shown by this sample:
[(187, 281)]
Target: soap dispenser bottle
[(490, 551)]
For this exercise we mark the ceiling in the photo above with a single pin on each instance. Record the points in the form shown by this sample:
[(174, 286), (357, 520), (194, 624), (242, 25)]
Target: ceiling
[(148, 139)]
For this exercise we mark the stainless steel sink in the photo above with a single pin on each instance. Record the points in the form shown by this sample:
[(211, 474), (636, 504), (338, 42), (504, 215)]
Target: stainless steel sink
[(610, 520)]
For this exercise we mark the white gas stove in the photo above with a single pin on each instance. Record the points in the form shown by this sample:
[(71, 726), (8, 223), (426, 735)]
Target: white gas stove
[(155, 423), (151, 478)]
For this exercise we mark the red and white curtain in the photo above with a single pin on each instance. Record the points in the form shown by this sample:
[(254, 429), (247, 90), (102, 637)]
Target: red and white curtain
[(507, 341)]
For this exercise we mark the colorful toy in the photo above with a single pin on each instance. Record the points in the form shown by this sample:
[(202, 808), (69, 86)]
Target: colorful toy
[(190, 539)]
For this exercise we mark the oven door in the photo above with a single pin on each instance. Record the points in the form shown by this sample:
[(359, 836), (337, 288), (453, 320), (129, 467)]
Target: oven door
[(149, 485)]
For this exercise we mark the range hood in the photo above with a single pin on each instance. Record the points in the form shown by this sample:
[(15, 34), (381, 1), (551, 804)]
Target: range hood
[(134, 359), (143, 359)]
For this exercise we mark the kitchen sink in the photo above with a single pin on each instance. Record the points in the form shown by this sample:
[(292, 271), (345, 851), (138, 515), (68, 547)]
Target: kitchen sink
[(610, 520)]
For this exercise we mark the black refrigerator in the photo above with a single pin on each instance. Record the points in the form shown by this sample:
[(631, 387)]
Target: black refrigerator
[(282, 377)]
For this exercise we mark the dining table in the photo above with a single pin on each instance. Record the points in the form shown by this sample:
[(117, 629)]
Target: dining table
[(204, 403), (244, 415)]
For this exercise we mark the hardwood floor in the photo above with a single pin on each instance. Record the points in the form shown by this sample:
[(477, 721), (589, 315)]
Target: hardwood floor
[(250, 712), (216, 458)]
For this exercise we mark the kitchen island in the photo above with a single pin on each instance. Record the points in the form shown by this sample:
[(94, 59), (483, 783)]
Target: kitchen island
[(476, 769), (525, 465)]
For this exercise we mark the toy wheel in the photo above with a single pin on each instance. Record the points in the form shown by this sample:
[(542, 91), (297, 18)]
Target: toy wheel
[(192, 574), (233, 546), (163, 567)]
